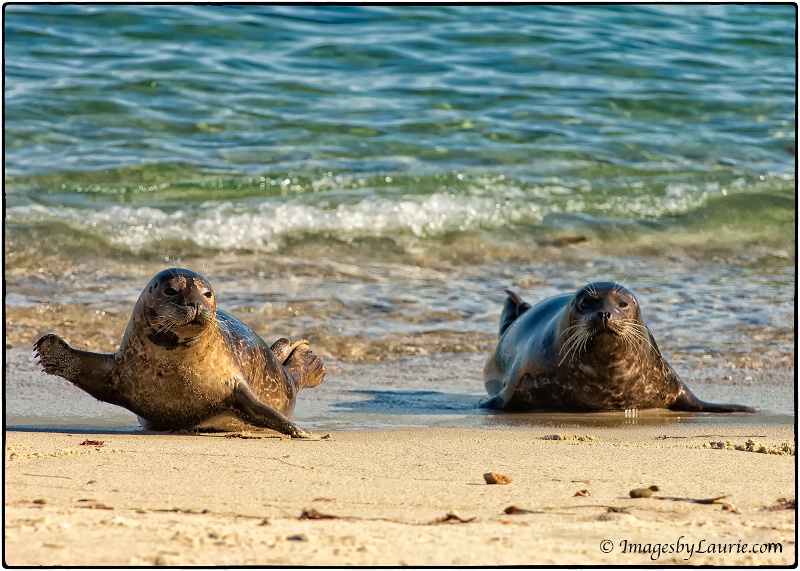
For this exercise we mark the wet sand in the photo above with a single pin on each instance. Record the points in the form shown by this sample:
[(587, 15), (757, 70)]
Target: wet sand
[(194, 499), (189, 499), (408, 392)]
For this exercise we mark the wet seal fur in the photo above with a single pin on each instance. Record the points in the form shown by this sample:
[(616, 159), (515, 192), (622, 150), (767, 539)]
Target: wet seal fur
[(185, 364), (583, 352)]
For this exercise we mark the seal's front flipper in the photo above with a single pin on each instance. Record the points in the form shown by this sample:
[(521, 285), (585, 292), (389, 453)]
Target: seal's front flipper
[(512, 309), (250, 409), (687, 402), (497, 402), (88, 371), (307, 368)]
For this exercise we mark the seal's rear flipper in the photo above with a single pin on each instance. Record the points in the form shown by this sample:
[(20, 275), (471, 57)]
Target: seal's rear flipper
[(307, 368), (90, 372), (283, 348), (687, 402), (250, 409), (512, 309)]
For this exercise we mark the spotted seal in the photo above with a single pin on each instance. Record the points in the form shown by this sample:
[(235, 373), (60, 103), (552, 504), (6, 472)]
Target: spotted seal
[(185, 364), (582, 352)]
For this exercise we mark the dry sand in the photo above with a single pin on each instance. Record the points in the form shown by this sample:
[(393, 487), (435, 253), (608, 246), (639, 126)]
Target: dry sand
[(193, 499)]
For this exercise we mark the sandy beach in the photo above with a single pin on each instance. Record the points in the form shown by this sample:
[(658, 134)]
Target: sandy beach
[(372, 179), (402, 497)]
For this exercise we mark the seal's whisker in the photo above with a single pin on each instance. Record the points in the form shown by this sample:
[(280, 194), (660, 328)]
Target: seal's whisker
[(571, 344), (575, 343), (619, 286), (566, 348), (161, 319), (634, 341), (572, 337), (569, 330), (584, 342), (640, 331), (165, 324), (172, 315), (636, 333)]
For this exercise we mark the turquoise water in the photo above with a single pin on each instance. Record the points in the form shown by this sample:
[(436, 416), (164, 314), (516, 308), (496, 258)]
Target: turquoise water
[(136, 125), (372, 177)]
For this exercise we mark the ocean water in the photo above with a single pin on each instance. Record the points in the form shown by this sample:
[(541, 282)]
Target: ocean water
[(372, 178)]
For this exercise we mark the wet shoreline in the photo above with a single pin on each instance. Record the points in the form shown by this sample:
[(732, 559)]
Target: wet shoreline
[(440, 390)]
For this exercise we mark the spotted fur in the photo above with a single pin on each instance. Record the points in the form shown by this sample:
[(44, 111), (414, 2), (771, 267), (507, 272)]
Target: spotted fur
[(582, 352), (184, 364)]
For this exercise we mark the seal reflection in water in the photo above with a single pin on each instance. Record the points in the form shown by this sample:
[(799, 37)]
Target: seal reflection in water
[(185, 364), (582, 352)]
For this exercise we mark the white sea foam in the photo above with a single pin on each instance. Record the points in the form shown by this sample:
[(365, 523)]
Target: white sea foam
[(227, 225), (266, 224)]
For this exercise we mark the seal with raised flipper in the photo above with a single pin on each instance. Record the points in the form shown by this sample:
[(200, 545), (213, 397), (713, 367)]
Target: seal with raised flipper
[(185, 364), (583, 352)]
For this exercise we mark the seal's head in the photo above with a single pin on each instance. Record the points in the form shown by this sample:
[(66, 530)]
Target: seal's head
[(602, 313), (178, 306)]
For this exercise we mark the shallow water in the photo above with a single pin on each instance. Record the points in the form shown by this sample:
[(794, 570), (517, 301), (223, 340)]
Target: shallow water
[(412, 392), (372, 178)]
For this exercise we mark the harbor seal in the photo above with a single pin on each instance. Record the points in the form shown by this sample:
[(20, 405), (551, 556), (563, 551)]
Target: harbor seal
[(185, 364), (583, 352)]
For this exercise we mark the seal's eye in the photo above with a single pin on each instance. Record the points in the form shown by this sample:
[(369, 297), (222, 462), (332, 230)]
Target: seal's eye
[(170, 291), (623, 304), (208, 294)]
